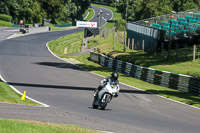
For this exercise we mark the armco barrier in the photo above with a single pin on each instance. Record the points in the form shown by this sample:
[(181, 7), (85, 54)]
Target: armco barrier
[(183, 83)]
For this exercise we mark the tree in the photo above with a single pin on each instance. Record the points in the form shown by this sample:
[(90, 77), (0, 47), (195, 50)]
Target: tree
[(69, 12), (52, 8), (142, 9)]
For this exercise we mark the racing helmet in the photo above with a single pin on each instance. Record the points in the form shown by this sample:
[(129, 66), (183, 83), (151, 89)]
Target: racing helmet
[(114, 76)]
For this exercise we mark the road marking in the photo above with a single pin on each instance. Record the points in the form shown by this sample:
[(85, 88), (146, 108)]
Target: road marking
[(43, 105)]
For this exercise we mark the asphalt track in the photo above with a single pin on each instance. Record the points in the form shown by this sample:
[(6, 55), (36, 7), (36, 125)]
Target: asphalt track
[(26, 63)]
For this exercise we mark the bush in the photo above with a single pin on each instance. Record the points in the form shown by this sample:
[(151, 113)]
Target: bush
[(5, 24), (120, 25), (6, 18)]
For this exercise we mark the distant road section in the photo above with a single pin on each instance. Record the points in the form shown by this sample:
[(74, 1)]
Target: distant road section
[(7, 32), (103, 15)]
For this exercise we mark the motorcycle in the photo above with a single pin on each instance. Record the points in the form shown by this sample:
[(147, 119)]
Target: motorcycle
[(105, 95)]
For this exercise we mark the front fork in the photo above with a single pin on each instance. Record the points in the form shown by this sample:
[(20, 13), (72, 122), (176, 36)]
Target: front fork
[(107, 98)]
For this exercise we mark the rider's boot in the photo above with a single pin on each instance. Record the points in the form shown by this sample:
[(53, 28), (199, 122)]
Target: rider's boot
[(96, 94)]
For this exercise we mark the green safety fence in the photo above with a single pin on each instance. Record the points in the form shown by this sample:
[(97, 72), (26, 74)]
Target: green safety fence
[(14, 25)]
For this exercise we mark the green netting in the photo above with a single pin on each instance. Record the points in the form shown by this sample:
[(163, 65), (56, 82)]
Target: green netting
[(15, 25)]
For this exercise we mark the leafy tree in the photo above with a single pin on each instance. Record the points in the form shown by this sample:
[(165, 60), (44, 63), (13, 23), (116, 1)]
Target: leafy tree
[(36, 10), (9, 7), (68, 12), (53, 8), (120, 25), (141, 9), (152, 8)]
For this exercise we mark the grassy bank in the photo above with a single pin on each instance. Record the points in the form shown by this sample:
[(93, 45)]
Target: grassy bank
[(5, 24), (69, 44), (14, 126), (91, 14), (8, 95), (178, 65)]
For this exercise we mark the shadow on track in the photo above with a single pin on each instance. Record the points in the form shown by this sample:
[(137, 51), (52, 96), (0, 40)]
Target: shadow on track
[(52, 86), (72, 87), (100, 109), (59, 65)]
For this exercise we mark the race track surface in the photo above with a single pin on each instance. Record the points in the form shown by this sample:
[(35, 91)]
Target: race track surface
[(26, 63)]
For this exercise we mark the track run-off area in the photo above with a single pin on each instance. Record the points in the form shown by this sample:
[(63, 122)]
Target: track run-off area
[(27, 64)]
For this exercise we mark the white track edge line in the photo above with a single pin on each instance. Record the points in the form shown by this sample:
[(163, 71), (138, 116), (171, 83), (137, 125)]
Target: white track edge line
[(93, 15), (17, 91), (124, 83)]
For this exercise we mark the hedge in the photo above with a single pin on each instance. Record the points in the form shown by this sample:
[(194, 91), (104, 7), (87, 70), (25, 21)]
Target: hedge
[(6, 18)]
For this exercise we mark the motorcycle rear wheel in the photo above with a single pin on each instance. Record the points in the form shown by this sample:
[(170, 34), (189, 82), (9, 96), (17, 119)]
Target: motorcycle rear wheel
[(94, 106)]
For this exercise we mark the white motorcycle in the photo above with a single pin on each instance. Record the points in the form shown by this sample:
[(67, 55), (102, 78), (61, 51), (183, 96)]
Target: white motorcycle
[(105, 95)]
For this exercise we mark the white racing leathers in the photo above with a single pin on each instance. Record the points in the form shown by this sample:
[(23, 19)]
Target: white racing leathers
[(109, 90)]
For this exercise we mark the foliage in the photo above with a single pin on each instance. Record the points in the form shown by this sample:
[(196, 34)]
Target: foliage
[(34, 11), (120, 25), (6, 18), (141, 9)]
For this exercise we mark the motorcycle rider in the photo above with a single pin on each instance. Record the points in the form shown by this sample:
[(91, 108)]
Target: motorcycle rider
[(114, 80)]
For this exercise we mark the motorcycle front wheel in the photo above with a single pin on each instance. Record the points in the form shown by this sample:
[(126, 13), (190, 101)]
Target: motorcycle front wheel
[(104, 104)]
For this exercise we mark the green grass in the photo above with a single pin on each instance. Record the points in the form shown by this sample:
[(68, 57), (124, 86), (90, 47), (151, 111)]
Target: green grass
[(5, 24), (15, 126), (60, 28), (174, 65), (72, 42), (91, 14), (8, 95)]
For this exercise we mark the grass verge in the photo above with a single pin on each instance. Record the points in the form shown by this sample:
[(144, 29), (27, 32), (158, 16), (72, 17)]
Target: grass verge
[(8, 95), (5, 24), (15, 126), (61, 28), (91, 14)]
